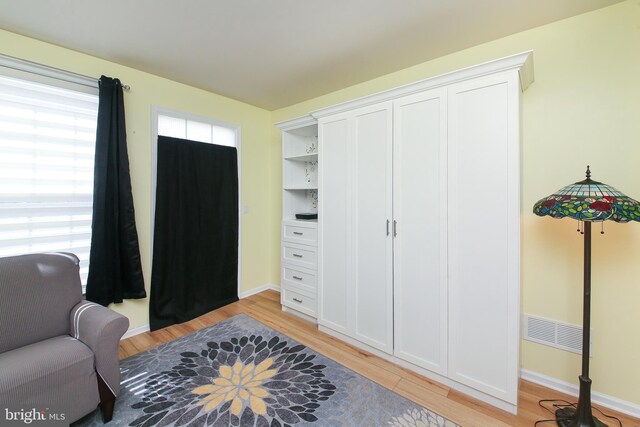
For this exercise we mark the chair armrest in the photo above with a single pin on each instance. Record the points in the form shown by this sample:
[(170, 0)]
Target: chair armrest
[(100, 329)]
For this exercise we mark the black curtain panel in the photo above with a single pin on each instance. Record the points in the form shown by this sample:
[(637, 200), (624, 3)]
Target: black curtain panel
[(115, 271), (195, 246)]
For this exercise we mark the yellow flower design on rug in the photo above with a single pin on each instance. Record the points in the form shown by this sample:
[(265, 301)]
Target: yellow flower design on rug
[(241, 384)]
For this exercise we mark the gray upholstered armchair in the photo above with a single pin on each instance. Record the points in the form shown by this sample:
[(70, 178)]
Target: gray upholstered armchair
[(56, 350)]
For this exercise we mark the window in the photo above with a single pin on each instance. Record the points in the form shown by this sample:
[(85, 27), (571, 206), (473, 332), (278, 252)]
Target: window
[(47, 145), (195, 130)]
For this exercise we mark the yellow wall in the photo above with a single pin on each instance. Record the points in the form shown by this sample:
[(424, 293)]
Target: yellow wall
[(583, 108), (148, 90)]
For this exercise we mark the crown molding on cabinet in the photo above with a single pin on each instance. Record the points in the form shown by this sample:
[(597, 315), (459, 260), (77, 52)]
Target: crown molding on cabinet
[(522, 62), (296, 123)]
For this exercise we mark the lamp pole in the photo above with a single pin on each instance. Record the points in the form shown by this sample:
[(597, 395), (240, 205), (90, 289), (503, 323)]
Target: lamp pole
[(583, 416)]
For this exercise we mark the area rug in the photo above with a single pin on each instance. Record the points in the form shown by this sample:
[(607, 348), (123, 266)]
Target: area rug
[(240, 372)]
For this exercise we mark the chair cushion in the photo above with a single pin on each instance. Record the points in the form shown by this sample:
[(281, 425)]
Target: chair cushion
[(37, 293), (58, 372)]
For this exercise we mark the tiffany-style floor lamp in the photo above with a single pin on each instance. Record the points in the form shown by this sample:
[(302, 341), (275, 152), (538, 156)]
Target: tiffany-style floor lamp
[(586, 201)]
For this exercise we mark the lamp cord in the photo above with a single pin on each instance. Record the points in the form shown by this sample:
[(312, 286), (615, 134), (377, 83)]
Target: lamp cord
[(559, 404)]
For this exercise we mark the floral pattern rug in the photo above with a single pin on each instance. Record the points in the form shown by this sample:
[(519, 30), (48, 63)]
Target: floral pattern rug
[(242, 373)]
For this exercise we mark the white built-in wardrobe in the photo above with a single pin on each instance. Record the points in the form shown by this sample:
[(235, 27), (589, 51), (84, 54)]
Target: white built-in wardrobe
[(419, 226)]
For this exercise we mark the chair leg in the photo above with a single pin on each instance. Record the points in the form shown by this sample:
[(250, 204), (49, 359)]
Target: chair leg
[(107, 400)]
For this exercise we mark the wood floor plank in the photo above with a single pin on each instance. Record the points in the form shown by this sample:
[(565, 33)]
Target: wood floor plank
[(451, 409), (467, 411), (483, 408)]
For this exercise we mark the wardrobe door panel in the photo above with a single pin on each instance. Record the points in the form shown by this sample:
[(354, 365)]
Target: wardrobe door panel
[(334, 215), (420, 247), (372, 250), (484, 242)]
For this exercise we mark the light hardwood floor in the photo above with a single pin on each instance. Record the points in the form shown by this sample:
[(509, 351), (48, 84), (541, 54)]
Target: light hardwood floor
[(464, 410)]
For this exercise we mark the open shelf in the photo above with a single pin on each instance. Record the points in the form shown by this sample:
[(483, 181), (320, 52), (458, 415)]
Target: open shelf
[(300, 144), (299, 170), (311, 157), (295, 188)]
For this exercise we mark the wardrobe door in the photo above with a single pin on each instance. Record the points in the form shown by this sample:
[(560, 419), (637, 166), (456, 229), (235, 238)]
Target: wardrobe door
[(420, 246), (484, 245), (334, 223), (371, 250)]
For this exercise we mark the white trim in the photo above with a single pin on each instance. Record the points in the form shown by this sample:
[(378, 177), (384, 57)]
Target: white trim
[(523, 62), (136, 331), (296, 123), (602, 399), (33, 71), (525, 73), (262, 288), (77, 314), (157, 110)]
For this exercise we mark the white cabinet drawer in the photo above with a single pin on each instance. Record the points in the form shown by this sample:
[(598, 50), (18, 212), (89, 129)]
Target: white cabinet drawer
[(299, 301), (303, 256), (299, 234), (305, 279)]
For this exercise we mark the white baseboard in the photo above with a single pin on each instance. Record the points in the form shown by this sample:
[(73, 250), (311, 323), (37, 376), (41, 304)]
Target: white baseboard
[(599, 398), (145, 328), (136, 331), (265, 287)]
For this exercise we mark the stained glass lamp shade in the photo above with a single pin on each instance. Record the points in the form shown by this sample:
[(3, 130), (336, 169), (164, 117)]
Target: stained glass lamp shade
[(586, 201), (589, 200)]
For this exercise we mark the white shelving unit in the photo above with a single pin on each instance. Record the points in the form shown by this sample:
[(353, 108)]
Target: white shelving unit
[(299, 237), (300, 171)]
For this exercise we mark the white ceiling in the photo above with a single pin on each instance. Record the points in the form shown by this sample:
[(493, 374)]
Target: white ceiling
[(274, 53)]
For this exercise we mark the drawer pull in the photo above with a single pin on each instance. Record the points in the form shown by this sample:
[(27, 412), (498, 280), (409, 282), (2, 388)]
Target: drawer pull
[(297, 255), (297, 233), (298, 300), (296, 277)]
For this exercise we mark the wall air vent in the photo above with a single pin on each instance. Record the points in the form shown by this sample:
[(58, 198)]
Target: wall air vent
[(555, 334)]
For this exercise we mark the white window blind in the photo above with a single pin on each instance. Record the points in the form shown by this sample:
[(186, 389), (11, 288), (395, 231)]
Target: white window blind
[(47, 145)]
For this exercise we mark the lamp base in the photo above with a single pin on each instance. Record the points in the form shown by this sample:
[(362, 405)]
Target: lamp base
[(567, 417)]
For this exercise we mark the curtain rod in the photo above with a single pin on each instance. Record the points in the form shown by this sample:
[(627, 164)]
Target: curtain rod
[(51, 72)]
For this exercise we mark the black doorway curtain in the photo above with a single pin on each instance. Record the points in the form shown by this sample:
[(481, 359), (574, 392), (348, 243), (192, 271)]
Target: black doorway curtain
[(195, 247), (115, 271)]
